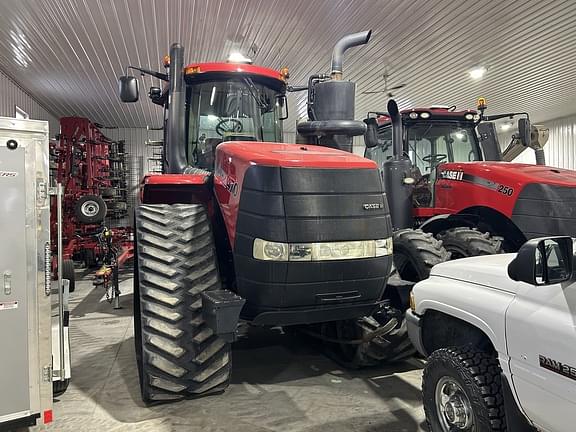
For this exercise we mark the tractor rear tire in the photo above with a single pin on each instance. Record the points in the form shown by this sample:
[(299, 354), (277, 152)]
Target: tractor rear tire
[(68, 273), (463, 242), (178, 355), (416, 252)]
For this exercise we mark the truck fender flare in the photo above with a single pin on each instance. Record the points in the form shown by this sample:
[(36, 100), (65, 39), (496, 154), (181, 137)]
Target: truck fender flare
[(466, 317)]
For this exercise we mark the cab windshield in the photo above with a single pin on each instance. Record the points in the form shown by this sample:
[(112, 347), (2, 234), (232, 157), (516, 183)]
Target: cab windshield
[(229, 110), (430, 144)]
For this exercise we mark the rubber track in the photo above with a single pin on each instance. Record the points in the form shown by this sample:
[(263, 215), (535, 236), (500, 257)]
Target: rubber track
[(176, 261)]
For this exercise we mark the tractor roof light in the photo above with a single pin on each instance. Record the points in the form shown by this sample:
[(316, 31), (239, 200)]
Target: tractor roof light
[(469, 116), (166, 61), (413, 115), (425, 115)]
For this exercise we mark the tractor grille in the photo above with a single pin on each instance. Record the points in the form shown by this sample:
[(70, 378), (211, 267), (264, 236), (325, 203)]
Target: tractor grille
[(544, 210)]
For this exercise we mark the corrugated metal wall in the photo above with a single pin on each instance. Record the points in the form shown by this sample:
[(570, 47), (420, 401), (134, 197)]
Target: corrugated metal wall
[(560, 150), (11, 95)]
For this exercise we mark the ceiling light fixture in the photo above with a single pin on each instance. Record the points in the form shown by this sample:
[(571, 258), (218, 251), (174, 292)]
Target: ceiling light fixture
[(238, 57), (477, 73)]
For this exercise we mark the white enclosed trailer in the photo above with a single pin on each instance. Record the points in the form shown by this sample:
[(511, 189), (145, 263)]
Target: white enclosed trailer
[(25, 280)]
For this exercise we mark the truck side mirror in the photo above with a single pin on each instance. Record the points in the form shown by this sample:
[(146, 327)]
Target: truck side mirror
[(371, 134), (128, 88), (524, 131), (543, 261)]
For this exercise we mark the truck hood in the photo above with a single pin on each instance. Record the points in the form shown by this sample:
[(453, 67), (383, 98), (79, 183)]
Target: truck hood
[(488, 270), (522, 174)]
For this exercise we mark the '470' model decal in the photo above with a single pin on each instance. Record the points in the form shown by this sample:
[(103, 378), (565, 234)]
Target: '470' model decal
[(457, 175)]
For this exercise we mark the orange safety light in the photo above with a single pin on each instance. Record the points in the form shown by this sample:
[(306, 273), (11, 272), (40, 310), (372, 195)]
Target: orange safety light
[(166, 60), (481, 105)]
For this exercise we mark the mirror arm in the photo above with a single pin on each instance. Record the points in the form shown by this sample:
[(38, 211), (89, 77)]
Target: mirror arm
[(501, 116), (296, 88), (159, 75)]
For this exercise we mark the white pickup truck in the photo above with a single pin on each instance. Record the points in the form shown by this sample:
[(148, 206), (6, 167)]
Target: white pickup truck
[(500, 333)]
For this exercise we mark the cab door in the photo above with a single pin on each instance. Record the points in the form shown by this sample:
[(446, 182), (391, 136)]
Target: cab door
[(541, 338)]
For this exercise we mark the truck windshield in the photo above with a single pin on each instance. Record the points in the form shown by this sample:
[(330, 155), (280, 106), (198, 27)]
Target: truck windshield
[(229, 110)]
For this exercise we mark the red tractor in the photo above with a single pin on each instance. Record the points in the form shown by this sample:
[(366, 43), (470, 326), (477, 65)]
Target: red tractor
[(241, 224), (442, 177)]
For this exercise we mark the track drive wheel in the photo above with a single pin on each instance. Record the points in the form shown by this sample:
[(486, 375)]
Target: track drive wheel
[(462, 391), (177, 354), (463, 242)]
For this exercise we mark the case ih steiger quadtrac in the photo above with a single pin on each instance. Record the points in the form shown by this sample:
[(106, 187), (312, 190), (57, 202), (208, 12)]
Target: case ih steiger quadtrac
[(241, 224), (445, 179)]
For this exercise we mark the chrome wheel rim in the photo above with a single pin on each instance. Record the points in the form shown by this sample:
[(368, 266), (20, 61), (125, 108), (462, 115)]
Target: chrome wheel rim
[(90, 208), (453, 406)]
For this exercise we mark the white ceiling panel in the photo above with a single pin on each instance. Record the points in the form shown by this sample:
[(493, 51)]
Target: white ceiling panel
[(69, 53)]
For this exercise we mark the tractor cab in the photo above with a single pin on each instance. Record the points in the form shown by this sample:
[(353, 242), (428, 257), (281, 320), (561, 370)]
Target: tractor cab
[(431, 137), (231, 102)]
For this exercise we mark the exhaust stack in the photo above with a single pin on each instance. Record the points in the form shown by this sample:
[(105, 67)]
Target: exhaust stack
[(331, 102), (342, 46), (174, 149), (396, 171)]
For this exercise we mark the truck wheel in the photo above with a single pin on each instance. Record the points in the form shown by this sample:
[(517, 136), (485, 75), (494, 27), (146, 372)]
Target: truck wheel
[(416, 252), (68, 273), (463, 242), (90, 209), (177, 354), (462, 391), (391, 345)]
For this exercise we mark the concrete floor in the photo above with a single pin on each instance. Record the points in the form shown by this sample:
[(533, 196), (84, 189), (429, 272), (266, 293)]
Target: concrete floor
[(279, 383)]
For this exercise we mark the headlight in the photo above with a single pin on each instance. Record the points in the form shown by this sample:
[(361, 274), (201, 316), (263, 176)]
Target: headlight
[(425, 115), (325, 251), (469, 116), (413, 115)]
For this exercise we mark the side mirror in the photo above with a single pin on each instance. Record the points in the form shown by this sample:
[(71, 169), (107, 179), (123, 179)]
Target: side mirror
[(543, 261), (128, 88), (282, 104), (371, 134), (524, 131)]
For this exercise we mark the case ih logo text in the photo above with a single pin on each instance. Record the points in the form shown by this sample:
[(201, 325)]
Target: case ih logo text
[(372, 206), (8, 174), (452, 175)]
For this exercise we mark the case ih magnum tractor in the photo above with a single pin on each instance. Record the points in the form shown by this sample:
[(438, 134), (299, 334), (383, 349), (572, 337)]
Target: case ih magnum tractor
[(443, 178), (242, 224)]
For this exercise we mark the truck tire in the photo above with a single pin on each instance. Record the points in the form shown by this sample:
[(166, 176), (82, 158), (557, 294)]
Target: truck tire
[(90, 209), (391, 345), (177, 353), (68, 273), (462, 390), (416, 252), (463, 242)]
